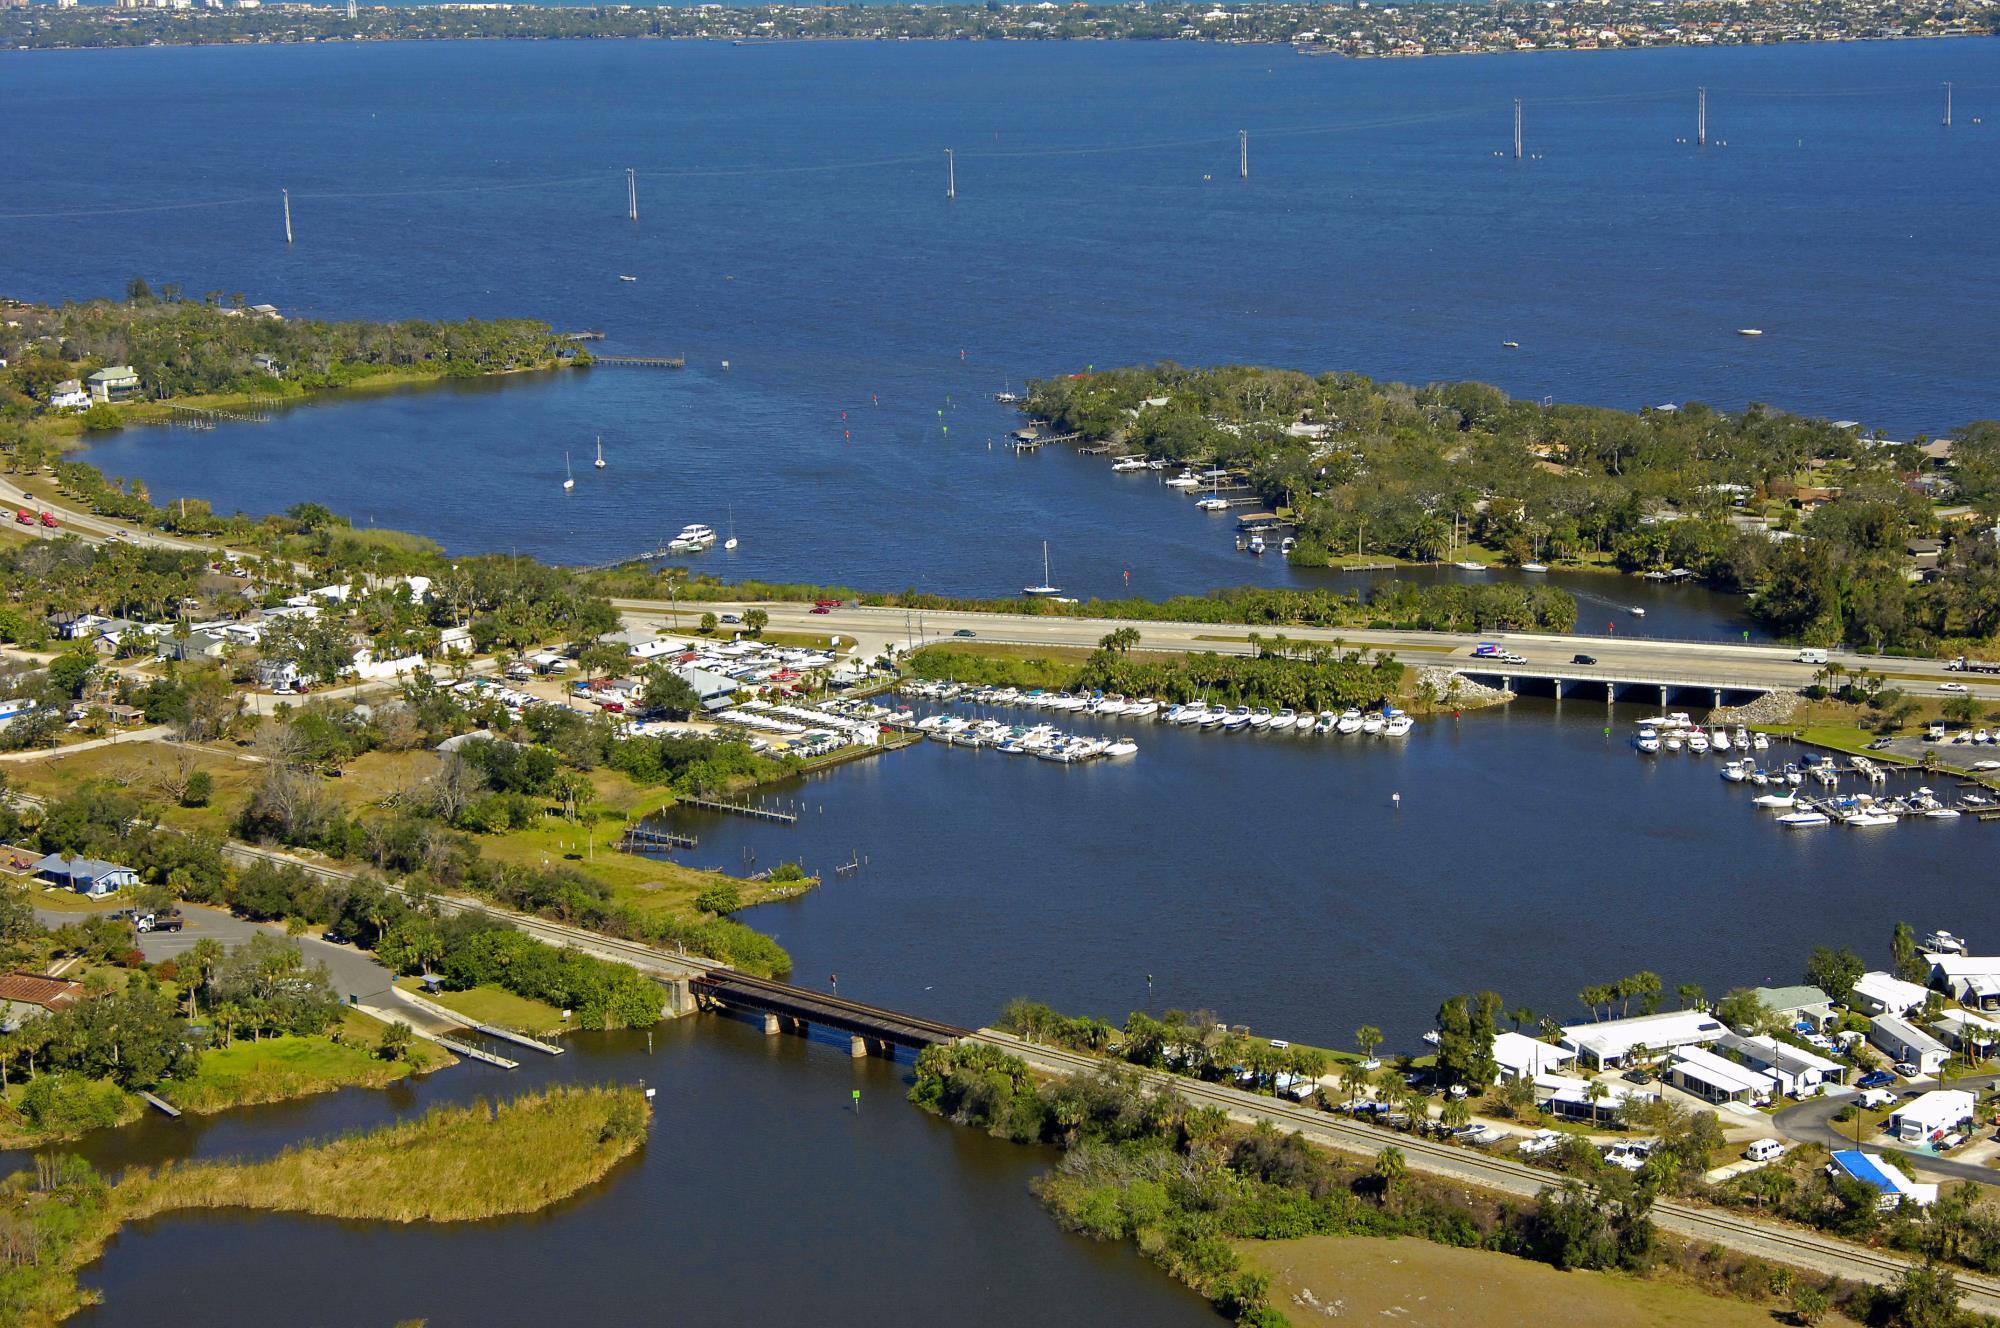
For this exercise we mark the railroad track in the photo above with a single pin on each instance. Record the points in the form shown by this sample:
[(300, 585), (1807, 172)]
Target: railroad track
[(1764, 1239)]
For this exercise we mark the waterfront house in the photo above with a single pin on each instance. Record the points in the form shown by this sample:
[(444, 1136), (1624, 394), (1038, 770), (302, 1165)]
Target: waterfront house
[(86, 876), (1797, 1005), (266, 364), (69, 395), (1523, 1057), (1902, 1041), (1884, 993), (1716, 1079), (1799, 1072), (25, 996), (1973, 1034), (1972, 980), (1606, 1043), (1931, 1116), (113, 384), (191, 646), (1870, 1170)]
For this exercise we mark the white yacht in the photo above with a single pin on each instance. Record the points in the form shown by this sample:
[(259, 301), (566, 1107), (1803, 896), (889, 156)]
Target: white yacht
[(1648, 740), (1260, 718), (1776, 801), (1733, 772), (1697, 742), (1372, 724), (1803, 820), (1720, 739), (1350, 721), (1396, 724), (1187, 479)]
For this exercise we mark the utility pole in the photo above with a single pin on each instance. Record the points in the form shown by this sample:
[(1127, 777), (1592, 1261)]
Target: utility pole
[(631, 194), (950, 176), (1947, 106), (287, 195), (1701, 117), (1517, 129), (1243, 153)]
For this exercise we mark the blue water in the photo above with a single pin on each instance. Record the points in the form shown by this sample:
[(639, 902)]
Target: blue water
[(793, 223)]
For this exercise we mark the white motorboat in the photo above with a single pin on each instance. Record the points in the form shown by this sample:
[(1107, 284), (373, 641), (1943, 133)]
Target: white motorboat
[(1760, 742), (1674, 741), (1397, 725), (1467, 565), (1349, 722), (1647, 740), (1143, 709), (1286, 718), (1866, 817), (1942, 942), (1121, 749), (1325, 723), (1260, 718), (1213, 504), (1720, 740), (1218, 717), (1749, 331), (1534, 567), (1733, 772), (1802, 820), (1372, 724), (1184, 480), (1126, 465), (1698, 742), (1239, 718), (1636, 611), (1776, 801)]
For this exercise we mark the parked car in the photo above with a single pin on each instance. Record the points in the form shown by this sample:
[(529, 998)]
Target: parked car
[(334, 936), (1875, 1079), (1627, 1156), (1637, 1075), (1764, 1150), (1907, 1070), (1583, 659)]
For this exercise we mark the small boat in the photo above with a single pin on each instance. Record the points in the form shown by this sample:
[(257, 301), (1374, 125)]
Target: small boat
[(1044, 590), (729, 543), (1397, 725), (1467, 565), (1121, 749), (1257, 545), (1720, 740), (1749, 331), (1802, 820), (1941, 942), (569, 480), (1184, 480), (1760, 741), (1636, 611), (1776, 801), (1126, 465), (1534, 567), (1698, 742), (1733, 772), (1260, 718), (1349, 721), (1510, 345), (623, 277), (1373, 724), (1213, 504), (600, 454), (1648, 740)]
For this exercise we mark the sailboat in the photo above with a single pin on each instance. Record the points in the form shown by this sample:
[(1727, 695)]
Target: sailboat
[(1044, 590), (600, 452), (569, 480), (730, 543)]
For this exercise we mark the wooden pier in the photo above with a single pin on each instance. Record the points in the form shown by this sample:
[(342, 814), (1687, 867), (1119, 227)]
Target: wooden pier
[(160, 1103), (580, 336), (755, 813), (257, 412), (637, 839), (643, 361)]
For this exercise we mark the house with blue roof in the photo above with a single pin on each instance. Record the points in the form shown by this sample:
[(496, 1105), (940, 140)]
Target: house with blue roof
[(86, 876), (1871, 1170)]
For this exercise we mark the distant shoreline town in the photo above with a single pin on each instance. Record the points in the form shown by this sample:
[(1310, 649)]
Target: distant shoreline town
[(1359, 30)]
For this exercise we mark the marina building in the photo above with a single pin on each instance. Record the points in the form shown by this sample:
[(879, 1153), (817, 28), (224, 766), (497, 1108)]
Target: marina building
[(1973, 1034), (1972, 980), (1607, 1043)]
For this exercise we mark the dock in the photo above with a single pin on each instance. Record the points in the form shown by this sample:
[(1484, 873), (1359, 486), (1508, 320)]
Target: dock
[(159, 1103), (755, 813), (643, 361), (638, 838), (471, 1052), (580, 336)]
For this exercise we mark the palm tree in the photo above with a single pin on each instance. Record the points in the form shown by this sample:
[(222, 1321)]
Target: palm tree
[(1368, 1037), (1457, 1113), (1692, 996), (1522, 1017), (1391, 1167)]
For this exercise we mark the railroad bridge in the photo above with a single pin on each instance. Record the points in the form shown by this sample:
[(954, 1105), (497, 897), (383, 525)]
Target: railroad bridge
[(871, 1031)]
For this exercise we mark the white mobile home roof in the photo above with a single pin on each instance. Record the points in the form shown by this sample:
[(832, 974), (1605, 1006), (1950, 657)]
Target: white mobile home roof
[(1612, 1038), (1910, 1036), (1523, 1057), (1939, 1109), (1724, 1075), (1891, 992), (1781, 1055)]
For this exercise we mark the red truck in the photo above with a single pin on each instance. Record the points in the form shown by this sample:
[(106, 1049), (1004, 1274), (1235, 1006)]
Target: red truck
[(49, 520), (25, 517)]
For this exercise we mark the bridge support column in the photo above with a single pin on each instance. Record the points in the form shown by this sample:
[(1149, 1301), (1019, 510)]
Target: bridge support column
[(857, 1046), (1718, 698), (1663, 697), (680, 998), (771, 1025)]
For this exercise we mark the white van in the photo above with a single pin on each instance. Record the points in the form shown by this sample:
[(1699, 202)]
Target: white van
[(1764, 1150), (1811, 655)]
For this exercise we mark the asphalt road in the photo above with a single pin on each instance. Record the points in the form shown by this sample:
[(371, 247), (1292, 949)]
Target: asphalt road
[(1712, 664)]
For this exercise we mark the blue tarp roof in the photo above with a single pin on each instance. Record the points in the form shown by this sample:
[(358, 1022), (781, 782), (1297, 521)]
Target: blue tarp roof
[(1865, 1168)]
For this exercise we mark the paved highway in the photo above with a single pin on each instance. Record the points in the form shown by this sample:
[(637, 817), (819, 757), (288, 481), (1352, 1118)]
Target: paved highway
[(1701, 664)]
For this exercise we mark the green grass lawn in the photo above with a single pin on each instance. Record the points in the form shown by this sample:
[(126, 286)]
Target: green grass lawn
[(492, 1005), (278, 1068), (133, 767)]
